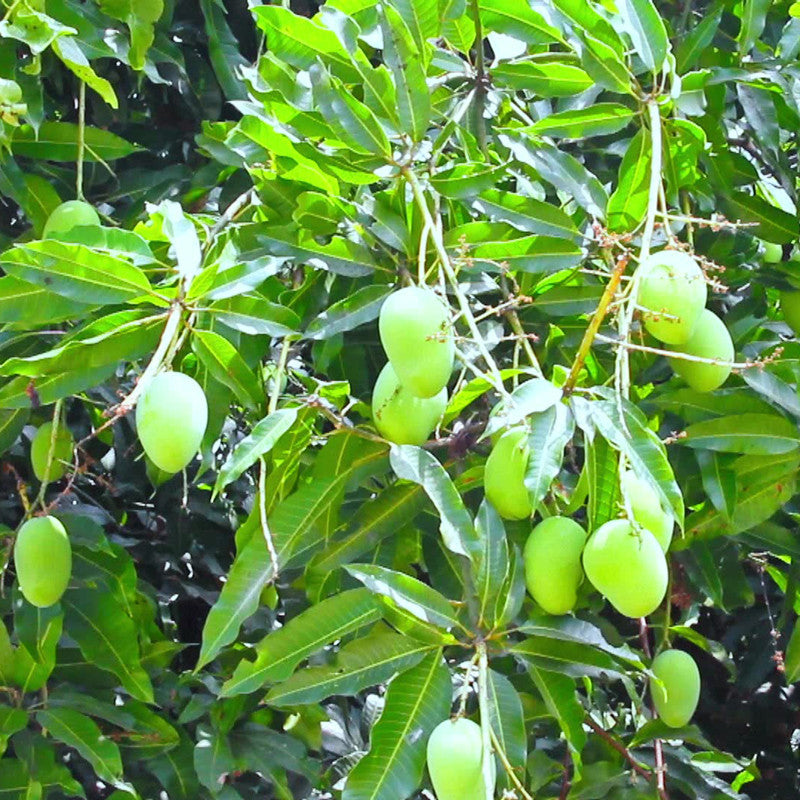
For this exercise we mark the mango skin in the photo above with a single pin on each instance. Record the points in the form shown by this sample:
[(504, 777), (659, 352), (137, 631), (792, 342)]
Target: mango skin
[(40, 447), (676, 700), (171, 418), (790, 306), (672, 293), (647, 510), (400, 416), (414, 326), (710, 339), (43, 561), (553, 569), (69, 215), (504, 475), (630, 569), (455, 751)]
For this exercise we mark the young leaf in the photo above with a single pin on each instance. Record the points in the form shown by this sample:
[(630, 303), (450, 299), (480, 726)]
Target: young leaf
[(223, 361), (628, 203), (550, 430), (647, 31)]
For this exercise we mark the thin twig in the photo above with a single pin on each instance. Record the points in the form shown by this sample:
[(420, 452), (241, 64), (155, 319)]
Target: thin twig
[(644, 772), (262, 514), (501, 754)]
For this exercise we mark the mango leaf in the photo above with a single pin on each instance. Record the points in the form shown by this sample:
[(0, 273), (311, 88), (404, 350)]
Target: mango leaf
[(534, 396), (792, 657), (600, 119), (74, 59), (628, 203), (407, 593), (507, 719), (16, 782), (140, 16), (558, 693), (58, 141), (646, 29), (545, 79), (281, 651), (340, 256), (527, 214), (363, 662), (354, 123), (772, 224), (550, 430), (223, 50), (12, 421), (756, 434), (38, 631), (416, 701), (22, 392), (694, 44), (255, 445), (357, 309), (223, 361), (492, 565), (213, 758), (456, 526), (107, 637), (77, 730), (719, 481), (76, 272), (754, 18), (406, 63), (253, 315), (516, 18)]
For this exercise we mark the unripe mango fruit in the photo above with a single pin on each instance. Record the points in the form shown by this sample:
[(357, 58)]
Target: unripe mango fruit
[(40, 447), (676, 697), (504, 475), (626, 566), (43, 560), (69, 215), (773, 253), (710, 339), (455, 752), (401, 417), (647, 510), (171, 418), (414, 327), (553, 569), (790, 306), (672, 292)]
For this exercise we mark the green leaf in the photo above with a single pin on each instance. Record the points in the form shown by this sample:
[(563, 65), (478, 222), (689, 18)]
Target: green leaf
[(22, 392), (464, 181), (719, 481), (492, 564), (558, 693), (697, 40), (356, 309), (456, 526), (255, 445), (294, 525), (407, 593), (403, 57), (527, 214), (35, 29), (281, 651), (38, 631), (647, 31), (354, 123), (560, 169), (75, 272), (58, 141), (38, 201), (78, 731), (12, 421), (68, 50), (507, 719), (252, 314), (364, 662), (628, 203), (792, 658), (550, 430), (772, 224), (754, 18), (223, 50), (340, 256), (516, 18), (545, 79), (605, 65), (213, 758), (600, 119), (223, 361), (140, 16), (416, 701), (756, 434), (16, 783), (107, 637), (534, 396)]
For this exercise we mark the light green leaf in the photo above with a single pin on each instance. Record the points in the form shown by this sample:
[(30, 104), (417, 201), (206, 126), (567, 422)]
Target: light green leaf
[(227, 366), (544, 79), (550, 430), (647, 31), (281, 651), (628, 203), (600, 119), (492, 565), (252, 314), (756, 434), (69, 51)]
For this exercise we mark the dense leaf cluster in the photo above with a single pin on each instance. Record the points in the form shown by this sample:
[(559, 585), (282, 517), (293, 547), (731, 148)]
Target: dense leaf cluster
[(292, 615)]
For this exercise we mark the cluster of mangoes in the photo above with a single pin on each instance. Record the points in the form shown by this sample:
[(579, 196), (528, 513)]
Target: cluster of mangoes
[(410, 394), (672, 296), (171, 419)]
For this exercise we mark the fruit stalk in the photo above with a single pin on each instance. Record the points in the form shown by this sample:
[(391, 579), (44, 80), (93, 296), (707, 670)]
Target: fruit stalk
[(444, 258), (50, 455), (594, 325), (486, 731), (501, 754), (169, 333), (81, 140)]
